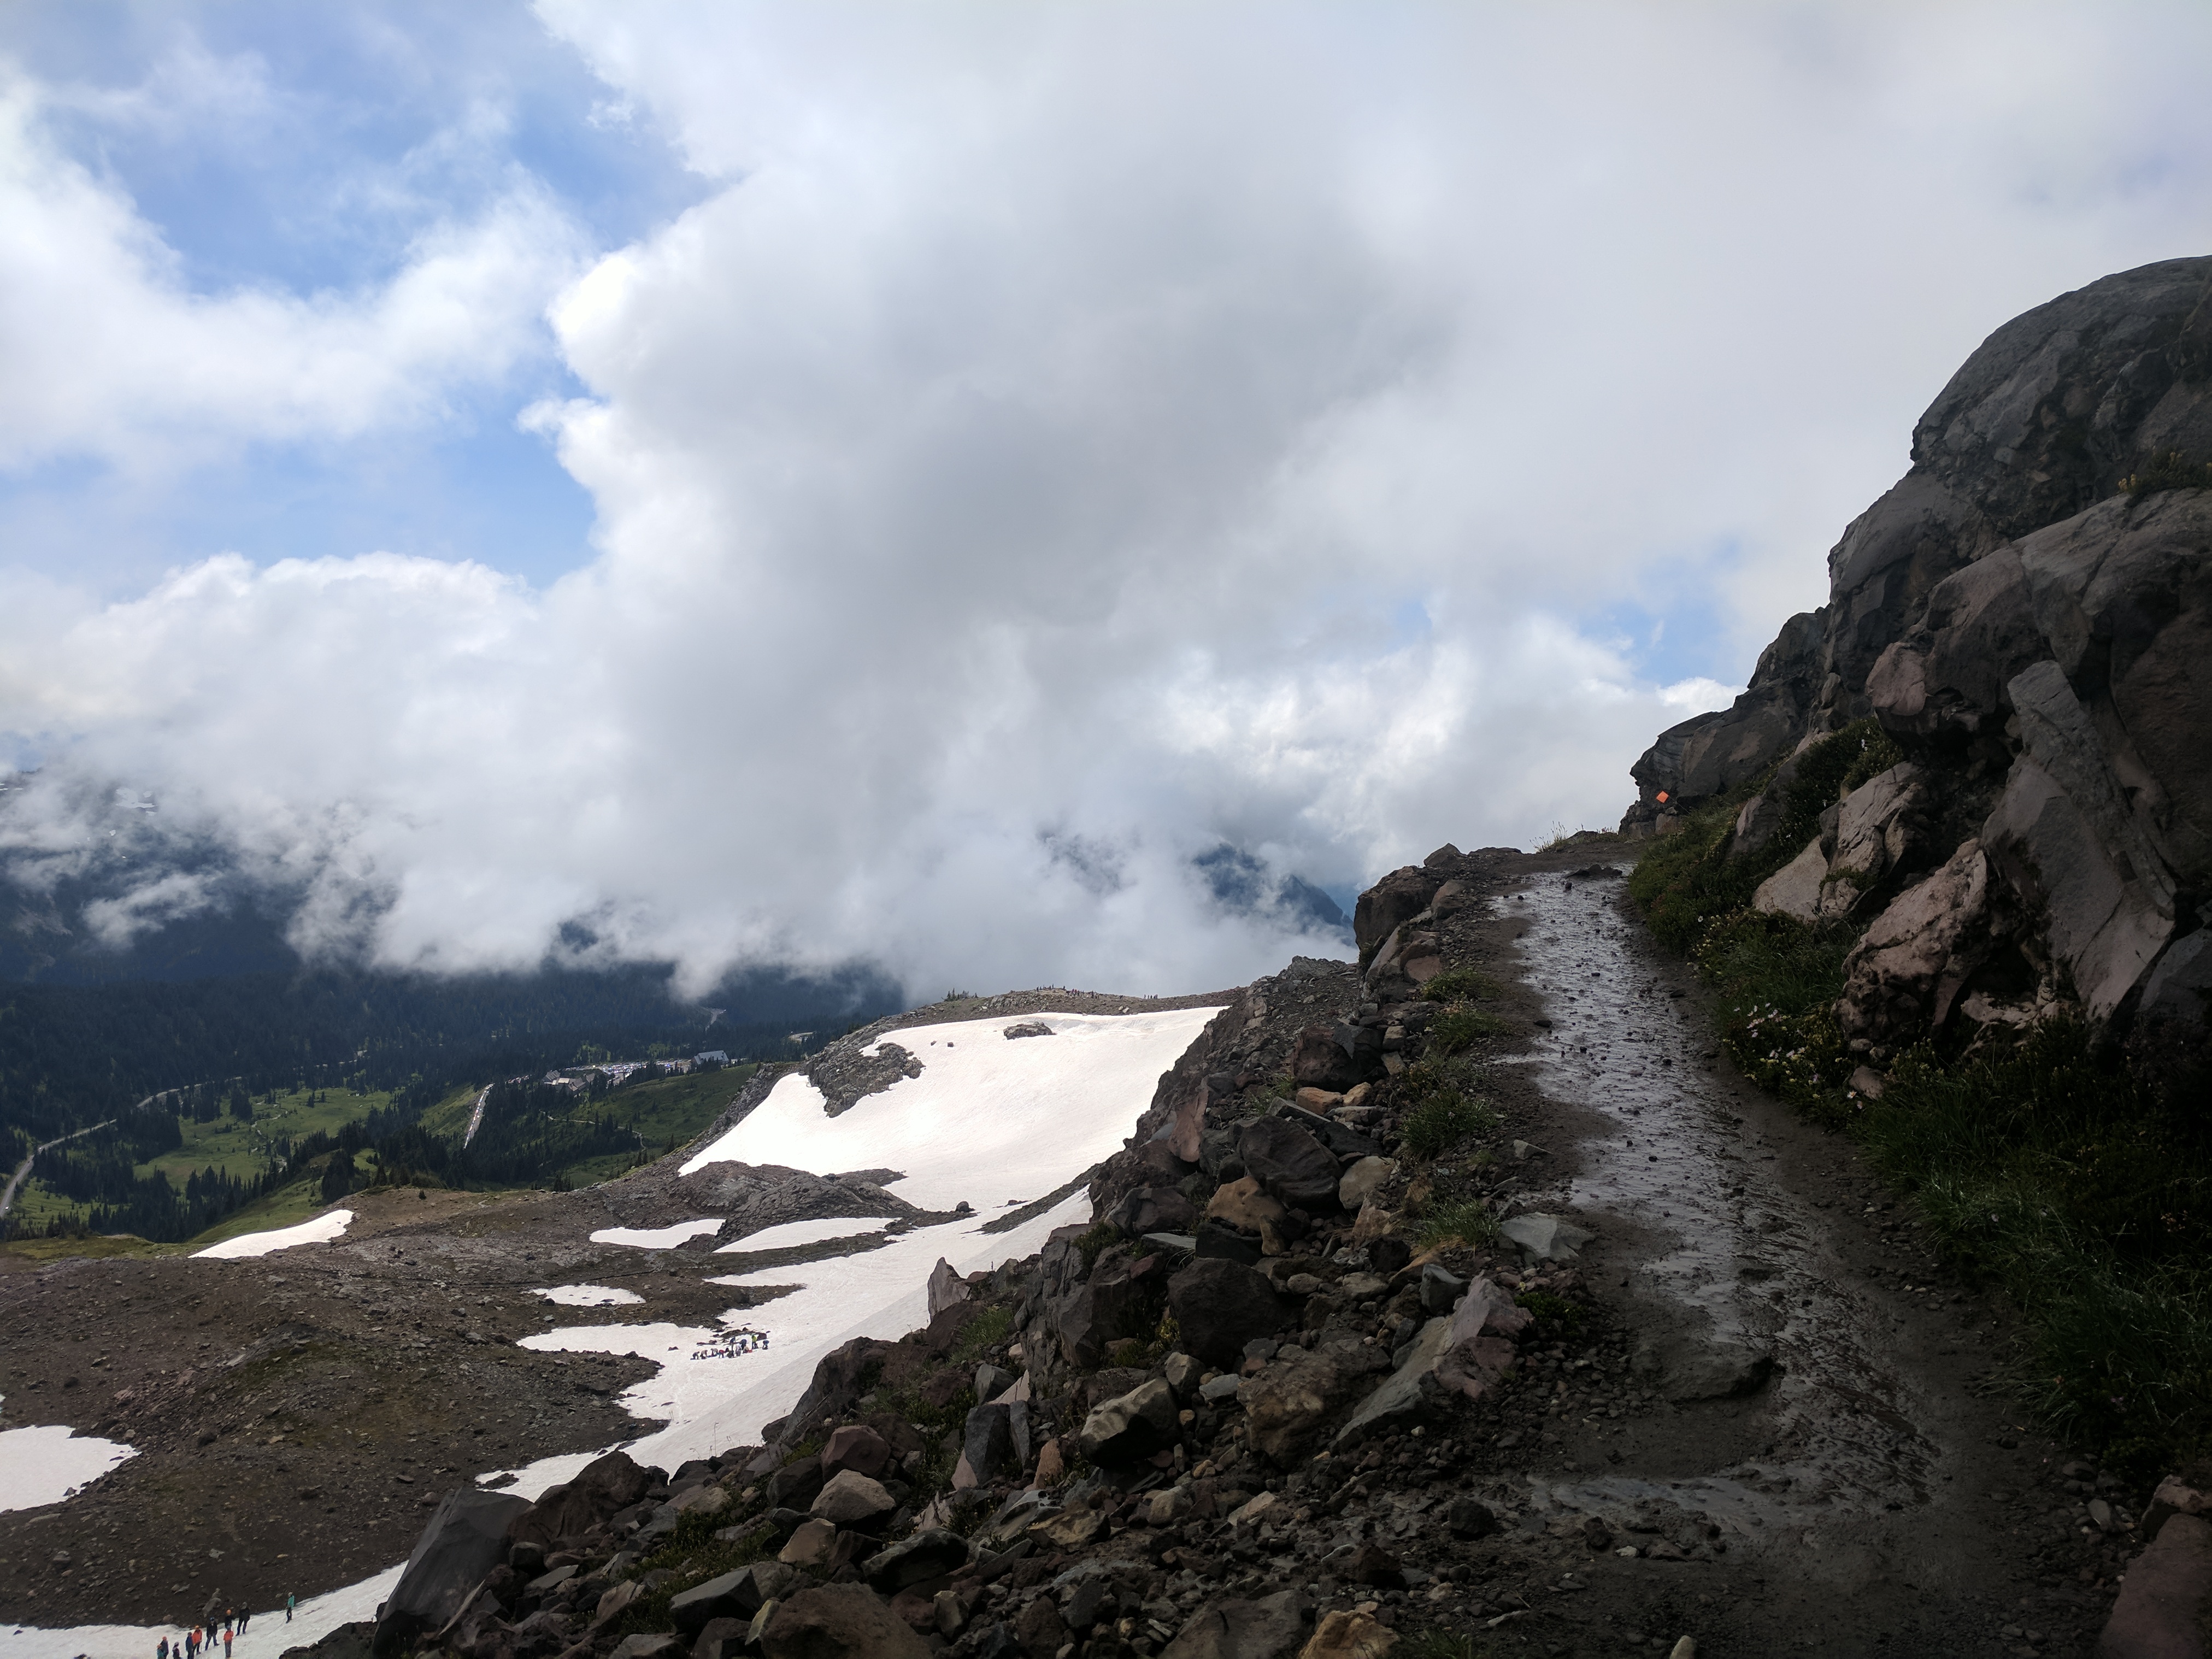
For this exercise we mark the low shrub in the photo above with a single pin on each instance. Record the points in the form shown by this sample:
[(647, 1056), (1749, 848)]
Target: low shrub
[(2171, 470)]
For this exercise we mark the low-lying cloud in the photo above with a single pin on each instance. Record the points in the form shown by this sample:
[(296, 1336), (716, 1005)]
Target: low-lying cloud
[(1061, 442)]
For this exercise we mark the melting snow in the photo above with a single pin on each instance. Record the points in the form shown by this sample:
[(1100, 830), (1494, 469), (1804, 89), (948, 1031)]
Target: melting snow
[(790, 1234), (655, 1238), (312, 1620), (988, 1120), (324, 1229), (44, 1465), (589, 1296)]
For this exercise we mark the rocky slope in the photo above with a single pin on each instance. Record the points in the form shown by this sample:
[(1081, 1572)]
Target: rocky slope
[(1387, 1329), (2026, 616)]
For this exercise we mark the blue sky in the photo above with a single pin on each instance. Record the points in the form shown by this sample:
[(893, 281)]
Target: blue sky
[(752, 479)]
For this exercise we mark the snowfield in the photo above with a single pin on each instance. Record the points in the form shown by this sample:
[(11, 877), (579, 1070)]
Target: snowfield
[(655, 1238), (589, 1296), (792, 1234), (44, 1465), (324, 1229)]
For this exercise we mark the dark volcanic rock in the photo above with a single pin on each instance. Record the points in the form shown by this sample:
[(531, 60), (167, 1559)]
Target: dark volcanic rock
[(466, 1538), (1220, 1305), (1296, 1170), (839, 1621)]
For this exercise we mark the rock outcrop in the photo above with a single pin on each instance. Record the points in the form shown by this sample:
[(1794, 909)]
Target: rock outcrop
[(2027, 616)]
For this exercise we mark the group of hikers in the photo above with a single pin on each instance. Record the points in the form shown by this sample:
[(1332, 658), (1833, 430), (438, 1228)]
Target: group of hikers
[(744, 1340), (200, 1642)]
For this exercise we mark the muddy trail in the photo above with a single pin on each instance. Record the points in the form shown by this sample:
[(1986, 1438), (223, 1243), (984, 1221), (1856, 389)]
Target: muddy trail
[(1813, 1416)]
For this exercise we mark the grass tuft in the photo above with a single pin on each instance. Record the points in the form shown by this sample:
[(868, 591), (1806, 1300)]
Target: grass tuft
[(1445, 1112), (1459, 985), (1458, 1029), (1468, 1220)]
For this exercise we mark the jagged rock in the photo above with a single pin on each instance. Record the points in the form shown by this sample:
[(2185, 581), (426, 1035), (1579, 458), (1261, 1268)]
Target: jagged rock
[(1948, 675), (1795, 889), (1219, 1306), (947, 1287), (995, 1441), (857, 1448), (1478, 1341), (1408, 1394), (1295, 1168), (466, 1538), (1363, 1180), (1233, 1628), (1710, 754), (1397, 898), (1120, 1299), (809, 1545), (2163, 1606), (797, 1482), (1027, 1028), (1343, 1635), (1545, 1237), (846, 1074), (1288, 1405), (925, 1555), (1134, 1425), (603, 1488), (642, 1646), (2179, 987), (720, 1638), (853, 1501), (1040, 1630), (839, 1621), (1152, 1210), (1441, 1288), (1468, 1518), (1242, 1204), (1880, 829), (736, 1596), (1319, 1060), (1181, 1371), (1906, 971)]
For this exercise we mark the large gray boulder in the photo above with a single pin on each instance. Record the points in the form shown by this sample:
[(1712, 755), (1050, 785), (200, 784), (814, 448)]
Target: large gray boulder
[(466, 1538), (1232, 1627), (1136, 1424)]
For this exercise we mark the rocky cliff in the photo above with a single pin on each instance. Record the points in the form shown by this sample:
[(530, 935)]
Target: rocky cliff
[(2026, 616)]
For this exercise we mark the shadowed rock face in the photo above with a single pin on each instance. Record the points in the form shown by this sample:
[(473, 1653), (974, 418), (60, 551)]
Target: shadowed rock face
[(2037, 638)]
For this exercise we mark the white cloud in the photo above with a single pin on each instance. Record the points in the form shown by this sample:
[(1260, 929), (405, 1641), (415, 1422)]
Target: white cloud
[(110, 354), (1067, 438)]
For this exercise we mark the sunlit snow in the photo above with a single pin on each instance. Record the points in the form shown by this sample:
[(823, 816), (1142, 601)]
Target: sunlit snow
[(792, 1234), (655, 1238), (326, 1229), (589, 1296), (991, 1120)]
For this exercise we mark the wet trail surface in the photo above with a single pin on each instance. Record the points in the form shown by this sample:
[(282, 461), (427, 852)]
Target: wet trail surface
[(1824, 1428)]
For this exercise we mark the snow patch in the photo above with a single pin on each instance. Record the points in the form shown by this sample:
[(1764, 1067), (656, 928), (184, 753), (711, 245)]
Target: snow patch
[(988, 1121), (792, 1234), (711, 1404), (313, 1620), (656, 1238), (326, 1229), (41, 1466), (589, 1296)]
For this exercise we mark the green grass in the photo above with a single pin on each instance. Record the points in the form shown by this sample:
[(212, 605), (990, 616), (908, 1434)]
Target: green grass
[(1459, 985), (986, 1330), (1445, 1112), (2074, 1176), (1686, 880), (1470, 1221), (242, 1148), (1458, 1029), (286, 1207)]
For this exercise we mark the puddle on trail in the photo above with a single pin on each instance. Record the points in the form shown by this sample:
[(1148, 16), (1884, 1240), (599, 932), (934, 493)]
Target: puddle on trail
[(1732, 1251)]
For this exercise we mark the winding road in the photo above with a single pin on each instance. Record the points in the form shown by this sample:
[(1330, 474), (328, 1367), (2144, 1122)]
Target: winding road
[(23, 1169)]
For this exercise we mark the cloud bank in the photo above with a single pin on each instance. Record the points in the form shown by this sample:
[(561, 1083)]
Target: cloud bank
[(1058, 442)]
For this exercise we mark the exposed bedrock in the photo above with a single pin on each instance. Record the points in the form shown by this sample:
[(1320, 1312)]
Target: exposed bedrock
[(2028, 614)]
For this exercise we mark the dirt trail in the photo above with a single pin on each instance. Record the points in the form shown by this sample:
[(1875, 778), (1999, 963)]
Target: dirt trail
[(1820, 1368)]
